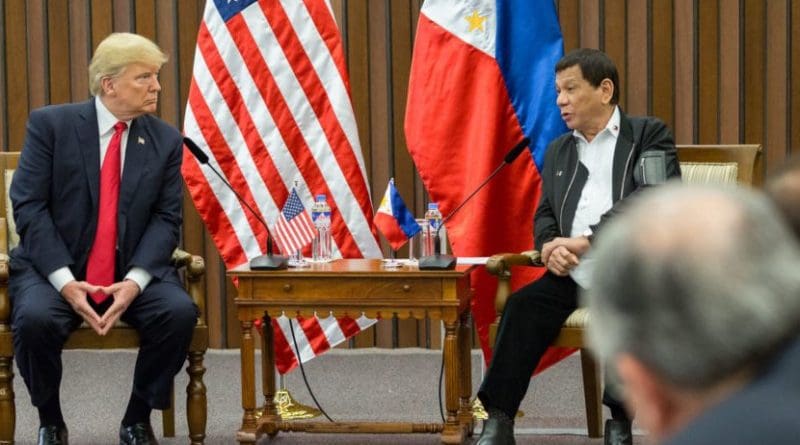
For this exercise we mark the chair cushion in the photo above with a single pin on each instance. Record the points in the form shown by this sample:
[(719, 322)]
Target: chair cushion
[(709, 172), (578, 318), (13, 237)]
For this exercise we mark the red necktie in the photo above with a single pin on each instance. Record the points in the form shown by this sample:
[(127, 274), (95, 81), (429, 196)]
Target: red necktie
[(100, 268)]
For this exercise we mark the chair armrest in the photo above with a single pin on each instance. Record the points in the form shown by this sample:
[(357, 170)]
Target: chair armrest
[(5, 302), (501, 264), (195, 268)]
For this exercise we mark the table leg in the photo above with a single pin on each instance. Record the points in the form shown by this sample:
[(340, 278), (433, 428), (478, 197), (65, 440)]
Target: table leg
[(465, 375), (452, 432), (247, 433), (270, 414)]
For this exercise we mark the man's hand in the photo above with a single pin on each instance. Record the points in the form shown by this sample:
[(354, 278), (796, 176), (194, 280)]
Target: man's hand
[(75, 292), (560, 255), (124, 292)]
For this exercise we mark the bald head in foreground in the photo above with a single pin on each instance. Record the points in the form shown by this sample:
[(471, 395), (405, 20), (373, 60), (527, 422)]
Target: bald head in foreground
[(696, 304)]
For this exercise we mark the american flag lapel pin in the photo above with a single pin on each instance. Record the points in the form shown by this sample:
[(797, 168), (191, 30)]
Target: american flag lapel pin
[(140, 140)]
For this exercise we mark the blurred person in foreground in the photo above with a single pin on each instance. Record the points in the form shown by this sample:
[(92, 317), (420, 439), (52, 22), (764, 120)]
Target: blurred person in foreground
[(97, 200), (696, 302)]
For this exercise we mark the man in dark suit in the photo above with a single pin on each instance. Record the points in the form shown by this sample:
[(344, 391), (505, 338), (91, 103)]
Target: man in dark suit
[(588, 174), (695, 302), (97, 202)]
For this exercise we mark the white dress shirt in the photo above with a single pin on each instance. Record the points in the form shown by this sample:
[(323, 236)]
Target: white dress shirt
[(598, 157), (105, 124)]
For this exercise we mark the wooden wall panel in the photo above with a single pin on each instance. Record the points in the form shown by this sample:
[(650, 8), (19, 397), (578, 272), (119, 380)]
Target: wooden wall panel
[(102, 20), (636, 64), (166, 36), (145, 18), (569, 18), (38, 69), (79, 49), (16, 86), (123, 15), (590, 23), (662, 86), (3, 96), (685, 79), (730, 62), (794, 75), (707, 129), (777, 82), (615, 43), (58, 52), (754, 73), (713, 70)]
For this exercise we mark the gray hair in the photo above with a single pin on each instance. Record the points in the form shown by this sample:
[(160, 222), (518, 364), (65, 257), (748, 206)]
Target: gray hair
[(116, 52), (698, 283)]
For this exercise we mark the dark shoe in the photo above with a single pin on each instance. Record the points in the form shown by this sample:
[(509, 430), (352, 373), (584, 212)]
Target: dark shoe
[(496, 432), (618, 432), (137, 434), (53, 435)]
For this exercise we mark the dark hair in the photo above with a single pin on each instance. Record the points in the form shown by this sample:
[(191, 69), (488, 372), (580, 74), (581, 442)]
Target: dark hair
[(595, 66)]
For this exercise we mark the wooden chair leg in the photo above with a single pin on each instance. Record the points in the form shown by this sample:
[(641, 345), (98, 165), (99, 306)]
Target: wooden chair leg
[(8, 414), (592, 393), (196, 403), (168, 417)]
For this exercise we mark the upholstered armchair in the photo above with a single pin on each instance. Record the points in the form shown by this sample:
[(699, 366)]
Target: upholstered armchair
[(121, 336), (700, 164)]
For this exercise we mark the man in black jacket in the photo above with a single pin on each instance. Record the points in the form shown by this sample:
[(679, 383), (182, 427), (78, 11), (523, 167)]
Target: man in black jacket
[(588, 173)]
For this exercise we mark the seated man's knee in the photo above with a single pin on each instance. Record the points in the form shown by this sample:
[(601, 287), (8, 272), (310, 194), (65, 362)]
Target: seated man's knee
[(183, 313), (32, 321)]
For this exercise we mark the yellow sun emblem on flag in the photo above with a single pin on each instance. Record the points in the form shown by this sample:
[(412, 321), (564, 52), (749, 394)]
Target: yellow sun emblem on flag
[(475, 21)]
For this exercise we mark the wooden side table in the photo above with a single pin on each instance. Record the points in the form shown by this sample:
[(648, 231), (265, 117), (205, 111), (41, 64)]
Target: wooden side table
[(350, 287)]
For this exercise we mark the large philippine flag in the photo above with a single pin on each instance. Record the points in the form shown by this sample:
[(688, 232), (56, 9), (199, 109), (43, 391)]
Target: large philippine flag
[(482, 77)]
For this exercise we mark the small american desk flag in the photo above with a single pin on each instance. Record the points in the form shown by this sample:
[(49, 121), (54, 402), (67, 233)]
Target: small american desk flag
[(294, 229)]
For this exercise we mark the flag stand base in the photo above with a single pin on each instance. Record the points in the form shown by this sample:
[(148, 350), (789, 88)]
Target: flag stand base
[(290, 409), (479, 413)]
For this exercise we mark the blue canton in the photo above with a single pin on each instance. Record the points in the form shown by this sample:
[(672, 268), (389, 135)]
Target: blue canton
[(293, 206), (229, 8)]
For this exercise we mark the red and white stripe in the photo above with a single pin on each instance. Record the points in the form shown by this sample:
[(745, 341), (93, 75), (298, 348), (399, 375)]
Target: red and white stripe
[(269, 101)]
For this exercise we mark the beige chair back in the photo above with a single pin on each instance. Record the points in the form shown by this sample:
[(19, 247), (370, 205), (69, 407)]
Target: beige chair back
[(705, 164)]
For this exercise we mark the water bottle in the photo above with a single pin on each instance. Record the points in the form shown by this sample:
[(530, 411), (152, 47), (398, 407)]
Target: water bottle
[(434, 218), (321, 216)]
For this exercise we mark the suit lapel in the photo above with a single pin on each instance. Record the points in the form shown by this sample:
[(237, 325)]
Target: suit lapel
[(89, 138), (139, 144)]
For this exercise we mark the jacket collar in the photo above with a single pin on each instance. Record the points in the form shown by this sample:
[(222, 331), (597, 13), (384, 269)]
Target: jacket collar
[(623, 156)]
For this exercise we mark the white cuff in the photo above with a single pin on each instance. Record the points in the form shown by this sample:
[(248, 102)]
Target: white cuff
[(139, 276), (60, 277)]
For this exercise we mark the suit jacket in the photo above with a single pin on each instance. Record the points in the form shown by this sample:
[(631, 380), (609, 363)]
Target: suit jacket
[(767, 411), (563, 176), (56, 188)]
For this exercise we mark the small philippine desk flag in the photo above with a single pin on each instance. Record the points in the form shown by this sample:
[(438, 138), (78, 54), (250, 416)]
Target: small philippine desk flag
[(394, 219)]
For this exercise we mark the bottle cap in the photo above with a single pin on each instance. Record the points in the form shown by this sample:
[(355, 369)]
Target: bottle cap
[(322, 197), (433, 206)]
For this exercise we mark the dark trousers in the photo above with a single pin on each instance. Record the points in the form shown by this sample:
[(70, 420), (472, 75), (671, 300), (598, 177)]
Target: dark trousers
[(164, 315), (531, 321)]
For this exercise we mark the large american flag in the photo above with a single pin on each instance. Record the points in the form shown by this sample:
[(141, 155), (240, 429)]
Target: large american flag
[(269, 100)]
